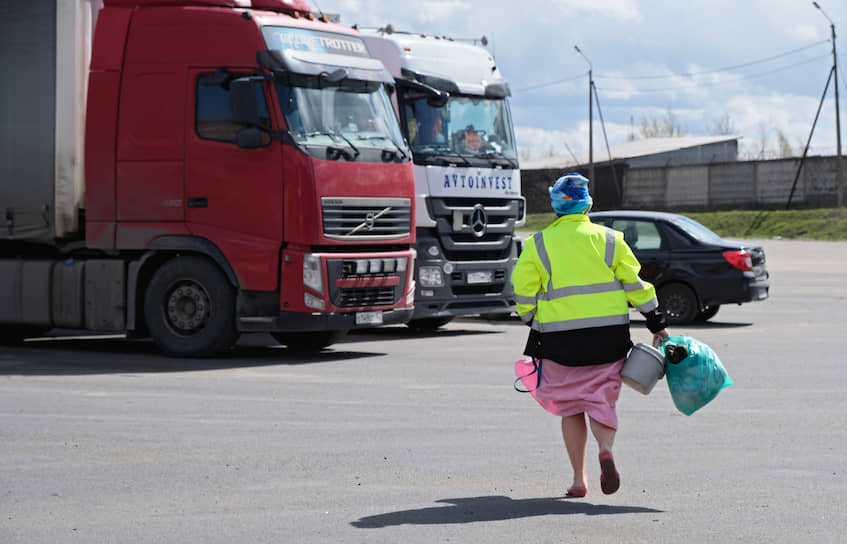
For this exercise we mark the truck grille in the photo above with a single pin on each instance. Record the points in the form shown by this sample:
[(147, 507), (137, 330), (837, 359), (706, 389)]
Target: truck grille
[(354, 218), (368, 296), (461, 240), (387, 272)]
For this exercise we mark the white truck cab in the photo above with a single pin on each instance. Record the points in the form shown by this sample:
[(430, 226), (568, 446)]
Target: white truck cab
[(453, 107)]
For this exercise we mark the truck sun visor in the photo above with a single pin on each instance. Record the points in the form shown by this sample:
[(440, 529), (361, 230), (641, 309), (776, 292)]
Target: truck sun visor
[(439, 83), (311, 52), (497, 90), (313, 64)]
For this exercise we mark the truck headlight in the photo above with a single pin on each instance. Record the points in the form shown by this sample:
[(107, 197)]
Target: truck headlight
[(312, 273), (312, 301), (430, 276)]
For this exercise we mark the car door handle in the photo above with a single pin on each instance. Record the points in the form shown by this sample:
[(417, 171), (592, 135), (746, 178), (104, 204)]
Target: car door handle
[(198, 202)]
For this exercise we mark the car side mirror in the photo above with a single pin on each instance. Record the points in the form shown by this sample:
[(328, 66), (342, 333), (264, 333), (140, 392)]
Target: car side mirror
[(249, 138)]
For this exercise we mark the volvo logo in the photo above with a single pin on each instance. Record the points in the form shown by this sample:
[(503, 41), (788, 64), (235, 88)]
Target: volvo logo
[(479, 220), (370, 221)]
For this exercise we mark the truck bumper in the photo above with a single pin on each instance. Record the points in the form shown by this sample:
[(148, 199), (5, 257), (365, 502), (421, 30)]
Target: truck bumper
[(467, 287), (307, 322)]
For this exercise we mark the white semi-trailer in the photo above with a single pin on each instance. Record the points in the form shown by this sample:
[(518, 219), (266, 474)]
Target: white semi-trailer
[(453, 106)]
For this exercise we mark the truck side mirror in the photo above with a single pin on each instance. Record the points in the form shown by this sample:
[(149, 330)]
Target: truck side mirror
[(244, 102), (334, 77), (437, 101), (249, 138)]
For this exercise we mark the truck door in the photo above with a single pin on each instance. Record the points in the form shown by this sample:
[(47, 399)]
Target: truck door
[(233, 195)]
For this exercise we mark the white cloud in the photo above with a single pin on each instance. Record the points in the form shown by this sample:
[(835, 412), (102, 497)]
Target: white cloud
[(623, 10)]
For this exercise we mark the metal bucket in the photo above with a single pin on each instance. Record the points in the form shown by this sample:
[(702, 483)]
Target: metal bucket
[(643, 368)]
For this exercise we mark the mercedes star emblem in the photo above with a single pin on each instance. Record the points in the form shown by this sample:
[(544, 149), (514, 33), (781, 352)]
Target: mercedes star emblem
[(479, 220)]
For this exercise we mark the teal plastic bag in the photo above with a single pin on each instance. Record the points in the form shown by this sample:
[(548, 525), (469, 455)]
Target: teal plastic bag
[(696, 379)]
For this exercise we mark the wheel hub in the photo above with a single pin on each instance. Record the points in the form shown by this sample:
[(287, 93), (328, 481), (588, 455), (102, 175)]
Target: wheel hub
[(188, 307)]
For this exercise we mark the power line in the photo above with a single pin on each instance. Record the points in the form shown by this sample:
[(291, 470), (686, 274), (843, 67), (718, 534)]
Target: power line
[(719, 83), (727, 68), (549, 83), (687, 74)]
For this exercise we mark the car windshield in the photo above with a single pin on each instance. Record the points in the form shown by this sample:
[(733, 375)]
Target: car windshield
[(468, 126), (696, 230), (351, 112)]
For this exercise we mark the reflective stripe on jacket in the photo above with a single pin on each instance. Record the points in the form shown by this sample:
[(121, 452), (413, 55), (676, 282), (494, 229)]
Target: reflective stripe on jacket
[(575, 275)]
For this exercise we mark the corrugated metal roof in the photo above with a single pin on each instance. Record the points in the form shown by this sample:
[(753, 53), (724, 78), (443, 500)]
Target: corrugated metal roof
[(629, 150)]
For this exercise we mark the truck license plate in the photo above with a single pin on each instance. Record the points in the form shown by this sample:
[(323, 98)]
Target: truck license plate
[(480, 277), (369, 318)]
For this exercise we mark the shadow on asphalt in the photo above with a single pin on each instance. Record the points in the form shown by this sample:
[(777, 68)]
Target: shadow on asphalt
[(76, 356), (493, 508), (72, 353), (405, 333), (705, 325)]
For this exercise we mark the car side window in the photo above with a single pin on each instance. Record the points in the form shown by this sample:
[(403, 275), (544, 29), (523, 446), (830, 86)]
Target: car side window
[(639, 235), (213, 119), (675, 239)]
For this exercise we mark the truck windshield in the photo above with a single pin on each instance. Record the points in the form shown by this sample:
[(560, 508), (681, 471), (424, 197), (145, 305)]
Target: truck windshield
[(472, 127), (357, 114)]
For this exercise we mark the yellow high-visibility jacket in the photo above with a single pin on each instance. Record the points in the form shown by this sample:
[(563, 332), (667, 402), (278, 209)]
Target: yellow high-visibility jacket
[(575, 275)]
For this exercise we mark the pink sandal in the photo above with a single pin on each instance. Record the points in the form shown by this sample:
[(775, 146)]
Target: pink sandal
[(577, 491), (610, 480)]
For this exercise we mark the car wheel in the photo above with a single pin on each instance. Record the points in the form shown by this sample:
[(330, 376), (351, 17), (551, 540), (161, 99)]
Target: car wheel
[(679, 304), (189, 308), (708, 313), (308, 342), (428, 324)]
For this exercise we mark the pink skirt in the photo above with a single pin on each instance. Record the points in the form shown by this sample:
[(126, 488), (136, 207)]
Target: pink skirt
[(570, 390)]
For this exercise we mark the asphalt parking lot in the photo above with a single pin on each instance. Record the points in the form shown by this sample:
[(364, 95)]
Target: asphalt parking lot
[(394, 437)]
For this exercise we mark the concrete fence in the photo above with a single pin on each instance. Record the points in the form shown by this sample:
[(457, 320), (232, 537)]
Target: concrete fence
[(738, 185)]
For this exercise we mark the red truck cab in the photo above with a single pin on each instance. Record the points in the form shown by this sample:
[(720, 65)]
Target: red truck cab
[(244, 158)]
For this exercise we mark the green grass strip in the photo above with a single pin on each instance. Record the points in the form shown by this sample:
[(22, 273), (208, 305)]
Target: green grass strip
[(814, 224)]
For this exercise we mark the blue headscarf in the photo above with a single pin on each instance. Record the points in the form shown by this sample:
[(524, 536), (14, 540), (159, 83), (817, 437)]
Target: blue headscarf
[(569, 195)]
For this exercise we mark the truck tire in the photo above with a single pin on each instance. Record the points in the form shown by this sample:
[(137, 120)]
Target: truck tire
[(679, 303), (308, 342), (428, 324), (189, 308)]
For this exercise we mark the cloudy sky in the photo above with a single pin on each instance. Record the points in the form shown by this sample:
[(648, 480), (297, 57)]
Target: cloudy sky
[(759, 66)]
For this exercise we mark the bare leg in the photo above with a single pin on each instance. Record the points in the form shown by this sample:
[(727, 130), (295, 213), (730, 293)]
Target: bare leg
[(605, 436), (610, 480), (575, 434)]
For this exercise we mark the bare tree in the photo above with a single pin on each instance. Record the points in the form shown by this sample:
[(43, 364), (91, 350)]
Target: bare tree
[(666, 127), (785, 149), (723, 126), (762, 144)]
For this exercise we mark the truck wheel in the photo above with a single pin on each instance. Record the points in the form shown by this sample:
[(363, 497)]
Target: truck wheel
[(428, 324), (679, 304), (708, 312), (189, 308), (12, 335), (308, 342)]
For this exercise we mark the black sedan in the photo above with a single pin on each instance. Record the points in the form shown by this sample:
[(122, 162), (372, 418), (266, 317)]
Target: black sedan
[(693, 269)]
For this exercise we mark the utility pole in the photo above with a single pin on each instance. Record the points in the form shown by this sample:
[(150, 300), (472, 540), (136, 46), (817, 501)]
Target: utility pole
[(590, 116), (839, 168)]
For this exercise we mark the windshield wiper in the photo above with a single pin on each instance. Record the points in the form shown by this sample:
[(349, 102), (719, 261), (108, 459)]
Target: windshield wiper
[(334, 135), (452, 154), (497, 157), (399, 153)]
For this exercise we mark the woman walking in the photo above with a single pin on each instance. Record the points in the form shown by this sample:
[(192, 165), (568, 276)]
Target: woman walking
[(574, 283)]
